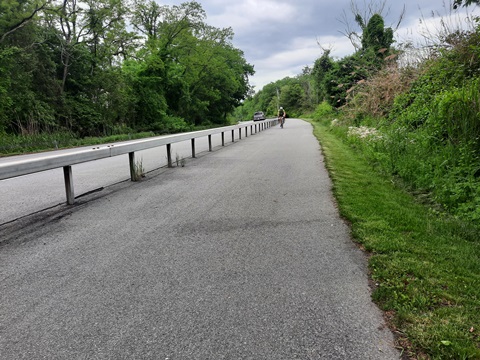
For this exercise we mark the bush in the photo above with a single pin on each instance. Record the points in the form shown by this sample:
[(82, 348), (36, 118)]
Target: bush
[(323, 109), (456, 115), (171, 125)]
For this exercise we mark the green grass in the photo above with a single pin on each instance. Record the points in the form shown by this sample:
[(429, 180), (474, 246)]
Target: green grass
[(426, 265), (22, 144)]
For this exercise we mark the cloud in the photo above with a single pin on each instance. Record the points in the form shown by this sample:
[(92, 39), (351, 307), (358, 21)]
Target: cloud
[(281, 37), (248, 16)]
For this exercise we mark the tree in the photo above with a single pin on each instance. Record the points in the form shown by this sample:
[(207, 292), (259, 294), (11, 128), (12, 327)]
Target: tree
[(90, 24), (74, 64), (205, 77), (376, 37), (147, 17), (291, 97), (16, 14), (322, 66), (214, 75), (376, 41), (458, 3), (26, 69), (147, 79), (362, 18)]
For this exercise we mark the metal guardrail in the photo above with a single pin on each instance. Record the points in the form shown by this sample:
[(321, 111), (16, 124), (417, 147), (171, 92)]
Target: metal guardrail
[(18, 167)]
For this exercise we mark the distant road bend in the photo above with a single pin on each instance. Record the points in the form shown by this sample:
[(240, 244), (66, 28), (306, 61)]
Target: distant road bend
[(240, 254)]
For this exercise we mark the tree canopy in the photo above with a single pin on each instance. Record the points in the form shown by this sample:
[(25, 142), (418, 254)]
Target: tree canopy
[(98, 67), (457, 3)]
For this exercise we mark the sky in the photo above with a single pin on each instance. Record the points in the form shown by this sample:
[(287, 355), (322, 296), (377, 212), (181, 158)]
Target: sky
[(281, 37)]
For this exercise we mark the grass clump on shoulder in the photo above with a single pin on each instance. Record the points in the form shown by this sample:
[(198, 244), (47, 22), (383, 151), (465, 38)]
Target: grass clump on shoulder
[(424, 262)]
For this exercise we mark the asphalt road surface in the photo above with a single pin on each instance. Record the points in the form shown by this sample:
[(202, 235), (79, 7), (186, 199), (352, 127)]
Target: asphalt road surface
[(240, 254), (24, 195)]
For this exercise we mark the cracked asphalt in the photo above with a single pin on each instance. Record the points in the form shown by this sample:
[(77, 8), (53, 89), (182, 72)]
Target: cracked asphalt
[(241, 254)]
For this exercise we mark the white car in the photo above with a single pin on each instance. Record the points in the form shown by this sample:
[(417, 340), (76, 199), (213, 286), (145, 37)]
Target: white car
[(258, 116)]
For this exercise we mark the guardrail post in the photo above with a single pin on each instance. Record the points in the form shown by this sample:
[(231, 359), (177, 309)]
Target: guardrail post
[(223, 138), (233, 135), (67, 175), (240, 134), (131, 160), (209, 142), (193, 148), (169, 155)]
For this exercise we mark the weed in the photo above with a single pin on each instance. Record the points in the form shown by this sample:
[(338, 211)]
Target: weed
[(424, 262)]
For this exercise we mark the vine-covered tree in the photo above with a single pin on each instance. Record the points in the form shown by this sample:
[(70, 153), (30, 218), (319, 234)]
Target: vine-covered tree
[(322, 66), (376, 36)]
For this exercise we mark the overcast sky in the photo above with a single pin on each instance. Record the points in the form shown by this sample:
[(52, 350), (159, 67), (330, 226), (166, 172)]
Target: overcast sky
[(280, 37)]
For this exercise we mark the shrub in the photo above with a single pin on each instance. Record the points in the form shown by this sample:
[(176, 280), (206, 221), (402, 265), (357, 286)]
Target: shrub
[(324, 109), (170, 125)]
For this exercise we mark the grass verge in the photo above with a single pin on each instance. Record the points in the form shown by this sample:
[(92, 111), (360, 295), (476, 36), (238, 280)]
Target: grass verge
[(21, 144), (425, 266)]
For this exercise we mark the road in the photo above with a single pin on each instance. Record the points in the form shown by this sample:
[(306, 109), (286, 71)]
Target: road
[(240, 254), (24, 195)]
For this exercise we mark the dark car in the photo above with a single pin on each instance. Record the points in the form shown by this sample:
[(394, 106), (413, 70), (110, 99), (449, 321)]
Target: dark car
[(258, 116)]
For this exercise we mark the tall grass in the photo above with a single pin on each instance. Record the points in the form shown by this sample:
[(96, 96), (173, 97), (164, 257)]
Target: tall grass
[(424, 263), (428, 123), (456, 113)]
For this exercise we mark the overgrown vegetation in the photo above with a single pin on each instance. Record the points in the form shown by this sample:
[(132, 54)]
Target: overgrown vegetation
[(424, 264), (98, 68), (428, 133)]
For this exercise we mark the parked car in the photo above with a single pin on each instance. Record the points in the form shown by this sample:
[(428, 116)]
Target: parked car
[(258, 116)]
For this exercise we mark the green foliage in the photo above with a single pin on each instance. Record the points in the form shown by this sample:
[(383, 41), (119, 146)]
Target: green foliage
[(429, 141), (291, 98), (445, 175), (457, 3), (328, 80), (296, 95), (321, 68), (456, 114), (376, 37), (171, 125), (323, 110), (76, 68), (424, 264)]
